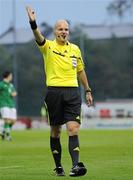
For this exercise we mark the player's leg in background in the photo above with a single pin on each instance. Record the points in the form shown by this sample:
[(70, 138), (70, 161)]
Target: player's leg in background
[(2, 129), (9, 116), (11, 123), (7, 129)]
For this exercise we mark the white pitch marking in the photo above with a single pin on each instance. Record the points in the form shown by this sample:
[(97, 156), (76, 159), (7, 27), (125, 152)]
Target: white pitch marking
[(9, 167)]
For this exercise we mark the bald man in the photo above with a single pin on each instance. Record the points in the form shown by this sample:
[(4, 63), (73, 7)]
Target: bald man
[(63, 67)]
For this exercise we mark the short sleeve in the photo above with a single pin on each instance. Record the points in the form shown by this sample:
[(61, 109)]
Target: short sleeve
[(43, 48), (80, 63)]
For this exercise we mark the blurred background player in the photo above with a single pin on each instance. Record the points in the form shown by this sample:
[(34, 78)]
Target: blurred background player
[(63, 64), (7, 104), (44, 114)]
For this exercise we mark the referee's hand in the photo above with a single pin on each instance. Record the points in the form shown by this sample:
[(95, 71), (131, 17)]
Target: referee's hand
[(31, 13), (89, 99)]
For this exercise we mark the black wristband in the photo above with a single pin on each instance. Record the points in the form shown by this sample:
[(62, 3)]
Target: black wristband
[(33, 25)]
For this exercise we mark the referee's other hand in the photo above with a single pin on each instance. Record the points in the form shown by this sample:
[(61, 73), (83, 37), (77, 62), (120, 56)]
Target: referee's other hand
[(89, 99)]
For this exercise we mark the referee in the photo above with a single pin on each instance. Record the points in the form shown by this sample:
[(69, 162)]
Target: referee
[(63, 67)]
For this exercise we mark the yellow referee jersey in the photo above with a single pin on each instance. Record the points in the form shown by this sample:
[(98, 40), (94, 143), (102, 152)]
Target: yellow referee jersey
[(62, 63)]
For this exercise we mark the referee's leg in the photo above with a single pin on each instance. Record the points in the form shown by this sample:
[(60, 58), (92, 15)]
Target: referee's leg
[(73, 143), (56, 149), (78, 168)]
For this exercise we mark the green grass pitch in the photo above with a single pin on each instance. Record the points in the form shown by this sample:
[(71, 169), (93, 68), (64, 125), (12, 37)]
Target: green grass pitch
[(107, 154)]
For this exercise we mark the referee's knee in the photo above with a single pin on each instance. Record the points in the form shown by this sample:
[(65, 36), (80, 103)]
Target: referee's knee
[(72, 128), (55, 131)]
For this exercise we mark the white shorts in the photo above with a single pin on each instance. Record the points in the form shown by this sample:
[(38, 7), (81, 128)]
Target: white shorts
[(8, 113)]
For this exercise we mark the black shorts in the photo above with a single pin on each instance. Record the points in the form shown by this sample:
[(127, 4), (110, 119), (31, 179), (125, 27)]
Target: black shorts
[(63, 105)]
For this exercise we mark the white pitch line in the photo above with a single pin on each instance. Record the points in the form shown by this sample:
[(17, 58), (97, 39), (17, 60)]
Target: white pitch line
[(9, 167)]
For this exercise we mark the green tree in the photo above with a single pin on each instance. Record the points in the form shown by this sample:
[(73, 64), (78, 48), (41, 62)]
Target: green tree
[(5, 59), (120, 7), (31, 81)]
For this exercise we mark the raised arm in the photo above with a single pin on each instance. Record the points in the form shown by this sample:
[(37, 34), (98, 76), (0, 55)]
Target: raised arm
[(32, 19)]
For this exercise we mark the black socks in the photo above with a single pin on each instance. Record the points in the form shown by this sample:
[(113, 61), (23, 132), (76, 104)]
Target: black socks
[(74, 149), (56, 150), (73, 146)]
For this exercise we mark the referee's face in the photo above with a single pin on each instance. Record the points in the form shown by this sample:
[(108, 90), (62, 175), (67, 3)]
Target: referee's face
[(61, 31)]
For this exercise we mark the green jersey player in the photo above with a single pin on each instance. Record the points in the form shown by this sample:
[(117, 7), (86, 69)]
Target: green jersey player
[(7, 104)]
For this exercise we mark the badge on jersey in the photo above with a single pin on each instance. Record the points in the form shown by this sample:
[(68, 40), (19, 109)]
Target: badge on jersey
[(74, 62)]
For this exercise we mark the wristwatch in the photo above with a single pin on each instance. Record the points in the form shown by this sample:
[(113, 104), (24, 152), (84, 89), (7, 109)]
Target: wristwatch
[(88, 90)]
